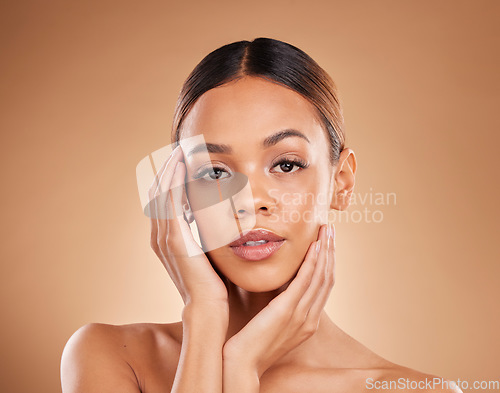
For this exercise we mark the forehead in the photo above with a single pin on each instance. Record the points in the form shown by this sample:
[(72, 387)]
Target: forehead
[(249, 106)]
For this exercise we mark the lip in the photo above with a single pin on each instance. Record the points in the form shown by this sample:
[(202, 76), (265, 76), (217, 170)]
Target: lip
[(259, 252)]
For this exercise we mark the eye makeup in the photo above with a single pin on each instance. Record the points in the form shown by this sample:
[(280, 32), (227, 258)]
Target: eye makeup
[(285, 165)]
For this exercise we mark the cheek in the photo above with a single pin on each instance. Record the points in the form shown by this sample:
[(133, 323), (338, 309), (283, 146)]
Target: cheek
[(215, 209), (303, 212), (307, 207), (216, 227)]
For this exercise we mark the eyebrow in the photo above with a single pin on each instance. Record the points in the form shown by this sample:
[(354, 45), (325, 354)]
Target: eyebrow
[(266, 143), (280, 135), (210, 148)]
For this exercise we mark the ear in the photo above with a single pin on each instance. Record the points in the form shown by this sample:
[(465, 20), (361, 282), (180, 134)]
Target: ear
[(343, 179), (188, 214)]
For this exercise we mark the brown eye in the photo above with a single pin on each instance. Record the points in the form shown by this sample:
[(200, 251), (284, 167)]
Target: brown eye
[(287, 165)]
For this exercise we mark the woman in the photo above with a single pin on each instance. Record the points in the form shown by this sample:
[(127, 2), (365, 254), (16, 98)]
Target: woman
[(254, 316)]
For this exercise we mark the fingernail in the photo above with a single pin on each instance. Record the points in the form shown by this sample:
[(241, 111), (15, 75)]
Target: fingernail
[(318, 246), (329, 230)]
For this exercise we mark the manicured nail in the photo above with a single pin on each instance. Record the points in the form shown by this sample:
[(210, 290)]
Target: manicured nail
[(318, 246)]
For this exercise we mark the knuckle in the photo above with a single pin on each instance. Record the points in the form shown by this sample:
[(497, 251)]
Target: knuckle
[(154, 244), (331, 279), (158, 253), (310, 327)]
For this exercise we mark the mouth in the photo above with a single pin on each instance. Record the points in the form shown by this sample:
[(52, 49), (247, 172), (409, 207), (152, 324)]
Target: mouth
[(257, 244)]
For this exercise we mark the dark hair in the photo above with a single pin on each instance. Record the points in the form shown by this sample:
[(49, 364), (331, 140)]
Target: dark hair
[(276, 61)]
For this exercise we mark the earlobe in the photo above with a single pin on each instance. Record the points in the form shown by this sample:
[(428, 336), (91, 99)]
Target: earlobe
[(186, 207), (188, 214), (344, 180)]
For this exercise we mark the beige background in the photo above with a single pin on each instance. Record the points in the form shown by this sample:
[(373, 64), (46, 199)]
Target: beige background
[(88, 89)]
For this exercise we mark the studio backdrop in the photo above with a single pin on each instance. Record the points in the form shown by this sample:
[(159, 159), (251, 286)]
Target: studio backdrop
[(88, 89)]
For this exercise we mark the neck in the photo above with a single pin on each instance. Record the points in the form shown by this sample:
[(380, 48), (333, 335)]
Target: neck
[(244, 305), (328, 346)]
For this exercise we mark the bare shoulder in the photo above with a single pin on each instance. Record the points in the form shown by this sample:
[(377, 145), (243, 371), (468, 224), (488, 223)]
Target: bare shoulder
[(104, 357), (397, 378), (389, 378)]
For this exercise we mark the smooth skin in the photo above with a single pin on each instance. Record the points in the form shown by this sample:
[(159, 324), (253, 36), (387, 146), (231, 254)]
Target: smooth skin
[(257, 326)]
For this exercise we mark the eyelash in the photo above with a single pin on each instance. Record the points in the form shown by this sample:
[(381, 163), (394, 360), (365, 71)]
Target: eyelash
[(295, 161)]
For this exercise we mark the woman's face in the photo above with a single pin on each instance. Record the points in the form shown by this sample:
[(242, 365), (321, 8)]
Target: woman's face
[(290, 179)]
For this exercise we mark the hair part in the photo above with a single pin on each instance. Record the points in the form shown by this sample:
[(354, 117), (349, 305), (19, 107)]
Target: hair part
[(273, 60)]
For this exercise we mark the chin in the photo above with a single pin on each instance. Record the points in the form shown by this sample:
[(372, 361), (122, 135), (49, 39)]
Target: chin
[(259, 288), (271, 274), (260, 280)]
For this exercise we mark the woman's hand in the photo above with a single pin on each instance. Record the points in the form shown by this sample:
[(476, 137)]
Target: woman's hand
[(292, 316), (173, 242)]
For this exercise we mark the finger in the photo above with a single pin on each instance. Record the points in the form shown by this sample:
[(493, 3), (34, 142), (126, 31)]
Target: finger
[(178, 227), (320, 301), (158, 206), (166, 184), (287, 300), (318, 278), (302, 280), (152, 193), (160, 203), (156, 181), (168, 206), (162, 208)]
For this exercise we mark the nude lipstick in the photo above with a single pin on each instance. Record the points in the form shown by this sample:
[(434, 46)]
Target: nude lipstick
[(257, 244)]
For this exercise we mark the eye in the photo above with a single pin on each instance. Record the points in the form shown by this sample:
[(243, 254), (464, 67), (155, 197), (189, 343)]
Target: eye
[(214, 173), (287, 165)]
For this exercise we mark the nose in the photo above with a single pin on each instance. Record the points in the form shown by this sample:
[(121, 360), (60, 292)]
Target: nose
[(257, 202)]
